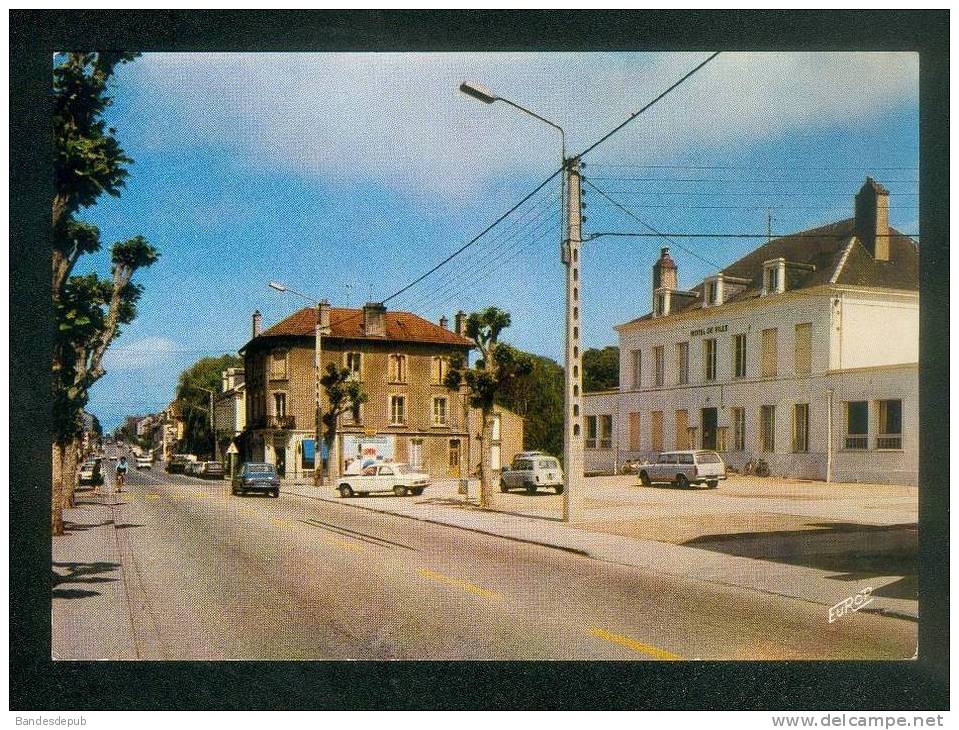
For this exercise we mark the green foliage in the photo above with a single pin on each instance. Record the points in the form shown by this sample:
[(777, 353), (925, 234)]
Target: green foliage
[(192, 393), (600, 368), (537, 396), (343, 394)]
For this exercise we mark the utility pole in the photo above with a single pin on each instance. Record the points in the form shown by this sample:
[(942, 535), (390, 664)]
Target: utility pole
[(573, 498), (317, 368), (216, 444)]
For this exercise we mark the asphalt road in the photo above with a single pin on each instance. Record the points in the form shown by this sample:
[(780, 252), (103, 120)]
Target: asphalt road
[(213, 576)]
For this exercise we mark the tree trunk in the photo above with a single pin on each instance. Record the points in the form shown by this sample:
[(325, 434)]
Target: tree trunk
[(69, 478), (56, 522), (485, 440)]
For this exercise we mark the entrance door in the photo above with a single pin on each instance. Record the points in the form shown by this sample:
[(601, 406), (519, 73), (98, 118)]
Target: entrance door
[(454, 458), (416, 453), (280, 460), (709, 420)]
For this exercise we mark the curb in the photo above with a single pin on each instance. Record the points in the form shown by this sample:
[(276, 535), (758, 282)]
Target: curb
[(432, 521)]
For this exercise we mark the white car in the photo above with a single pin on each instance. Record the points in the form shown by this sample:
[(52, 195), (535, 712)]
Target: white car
[(144, 461), (530, 471), (399, 479), (683, 468)]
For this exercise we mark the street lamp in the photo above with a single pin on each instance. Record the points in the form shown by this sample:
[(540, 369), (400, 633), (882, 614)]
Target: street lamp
[(317, 368), (570, 253)]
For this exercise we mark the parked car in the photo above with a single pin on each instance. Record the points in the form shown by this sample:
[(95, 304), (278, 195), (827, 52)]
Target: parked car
[(90, 473), (256, 477), (530, 472), (209, 470), (399, 479), (144, 461), (177, 465), (683, 468)]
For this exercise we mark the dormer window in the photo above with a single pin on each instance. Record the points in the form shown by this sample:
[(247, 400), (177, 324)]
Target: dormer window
[(774, 276), (661, 302), (713, 291)]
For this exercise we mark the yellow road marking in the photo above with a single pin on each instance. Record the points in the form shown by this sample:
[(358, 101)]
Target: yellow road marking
[(465, 585), (282, 522), (345, 544), (152, 495), (637, 646)]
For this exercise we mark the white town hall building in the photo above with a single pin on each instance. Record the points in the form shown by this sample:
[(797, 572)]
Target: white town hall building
[(803, 353)]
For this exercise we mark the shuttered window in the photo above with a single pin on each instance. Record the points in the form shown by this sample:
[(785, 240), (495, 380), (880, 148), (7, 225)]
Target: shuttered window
[(801, 427), (769, 365), (660, 364), (709, 359), (682, 430), (637, 364), (767, 429), (656, 430), (739, 356), (682, 362), (803, 348), (634, 438)]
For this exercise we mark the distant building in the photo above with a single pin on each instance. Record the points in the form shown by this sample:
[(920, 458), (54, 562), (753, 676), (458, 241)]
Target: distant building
[(803, 353), (230, 409), (401, 360)]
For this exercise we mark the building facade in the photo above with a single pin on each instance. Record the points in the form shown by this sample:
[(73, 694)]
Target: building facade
[(804, 353), (400, 360)]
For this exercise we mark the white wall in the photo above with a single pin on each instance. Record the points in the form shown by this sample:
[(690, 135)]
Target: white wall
[(877, 330)]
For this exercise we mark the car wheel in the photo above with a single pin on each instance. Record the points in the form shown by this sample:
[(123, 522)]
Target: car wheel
[(644, 478), (417, 492), (399, 490), (682, 482), (559, 489), (276, 493), (233, 491), (531, 489), (346, 491), (712, 483), (503, 487)]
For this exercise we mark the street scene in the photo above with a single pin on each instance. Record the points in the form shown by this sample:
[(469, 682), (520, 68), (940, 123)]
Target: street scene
[(408, 357)]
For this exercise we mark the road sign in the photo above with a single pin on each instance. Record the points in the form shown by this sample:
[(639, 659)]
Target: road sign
[(233, 449)]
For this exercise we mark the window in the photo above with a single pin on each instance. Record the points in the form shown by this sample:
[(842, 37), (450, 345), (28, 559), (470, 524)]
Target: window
[(857, 425), (659, 306), (767, 429), (278, 361), (441, 366), (739, 356), (637, 356), (709, 359), (682, 362), (890, 425), (801, 427), (354, 363), (353, 417), (739, 429), (416, 453), (606, 432), (397, 368), (590, 432), (656, 430), (279, 405), (439, 410), (397, 410), (803, 348), (454, 457), (710, 293), (634, 437), (682, 430), (659, 363), (769, 365), (771, 279)]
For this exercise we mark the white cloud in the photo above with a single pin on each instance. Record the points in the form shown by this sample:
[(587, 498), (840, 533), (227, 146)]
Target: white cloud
[(398, 119), (143, 354)]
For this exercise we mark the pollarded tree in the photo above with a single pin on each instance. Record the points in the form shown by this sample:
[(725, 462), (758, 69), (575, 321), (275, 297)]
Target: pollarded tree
[(497, 365), (343, 394), (88, 163)]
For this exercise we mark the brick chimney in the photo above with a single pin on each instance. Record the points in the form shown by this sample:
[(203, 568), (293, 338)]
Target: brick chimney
[(374, 319), (665, 274), (257, 323), (444, 322), (324, 308), (459, 323), (872, 219)]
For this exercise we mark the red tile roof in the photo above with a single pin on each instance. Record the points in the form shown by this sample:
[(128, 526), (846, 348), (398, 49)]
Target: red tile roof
[(347, 324)]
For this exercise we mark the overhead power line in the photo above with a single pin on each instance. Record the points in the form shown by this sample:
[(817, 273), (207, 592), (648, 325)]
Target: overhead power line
[(791, 181), (646, 225), (787, 166), (738, 235)]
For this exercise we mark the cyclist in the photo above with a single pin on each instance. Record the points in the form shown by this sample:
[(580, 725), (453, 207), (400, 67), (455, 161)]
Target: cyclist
[(121, 472)]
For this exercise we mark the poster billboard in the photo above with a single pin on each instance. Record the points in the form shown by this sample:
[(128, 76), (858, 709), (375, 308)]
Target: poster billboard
[(360, 450)]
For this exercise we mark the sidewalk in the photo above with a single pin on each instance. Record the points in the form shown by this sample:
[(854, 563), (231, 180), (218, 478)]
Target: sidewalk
[(445, 507), (88, 586)]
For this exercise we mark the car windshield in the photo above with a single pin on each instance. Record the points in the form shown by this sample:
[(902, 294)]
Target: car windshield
[(214, 465), (707, 457), (259, 469), (667, 459), (548, 464), (521, 464), (685, 458)]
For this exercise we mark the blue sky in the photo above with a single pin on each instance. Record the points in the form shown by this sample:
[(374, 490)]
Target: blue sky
[(347, 175)]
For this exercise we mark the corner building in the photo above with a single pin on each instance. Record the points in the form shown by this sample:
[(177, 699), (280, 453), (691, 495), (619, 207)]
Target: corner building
[(803, 353)]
